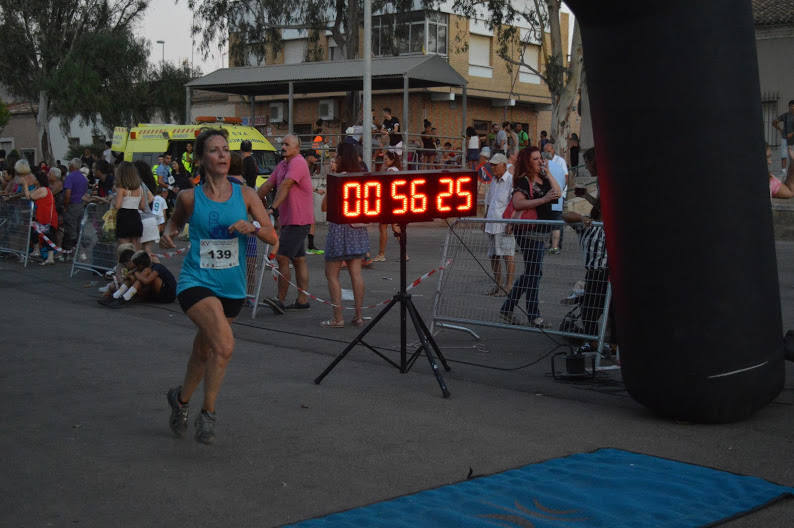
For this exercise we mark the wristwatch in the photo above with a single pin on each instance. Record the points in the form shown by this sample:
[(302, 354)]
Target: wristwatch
[(257, 226)]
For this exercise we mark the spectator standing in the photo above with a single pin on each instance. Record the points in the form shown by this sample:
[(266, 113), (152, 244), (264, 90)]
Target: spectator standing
[(491, 138), (534, 190), (472, 147), (250, 168), (501, 245), (523, 137), (391, 125), (483, 168), (182, 179), (428, 146), (75, 187), (107, 154), (345, 244), (295, 203), (130, 200), (785, 125), (501, 139), (159, 208), (45, 216), (55, 183), (543, 139), (777, 188), (187, 158), (592, 239), (163, 170), (559, 170), (512, 141), (392, 163), (103, 171), (88, 160), (573, 151)]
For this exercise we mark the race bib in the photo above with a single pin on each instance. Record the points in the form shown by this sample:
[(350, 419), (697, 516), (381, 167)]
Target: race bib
[(219, 253)]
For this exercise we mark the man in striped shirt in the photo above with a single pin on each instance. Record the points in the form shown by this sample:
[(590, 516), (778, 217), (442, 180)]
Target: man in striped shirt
[(592, 240)]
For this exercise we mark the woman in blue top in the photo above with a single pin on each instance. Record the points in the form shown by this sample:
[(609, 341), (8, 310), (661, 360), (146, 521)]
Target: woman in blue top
[(212, 284)]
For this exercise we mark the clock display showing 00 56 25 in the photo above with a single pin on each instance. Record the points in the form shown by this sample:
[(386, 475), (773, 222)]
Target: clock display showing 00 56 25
[(401, 197)]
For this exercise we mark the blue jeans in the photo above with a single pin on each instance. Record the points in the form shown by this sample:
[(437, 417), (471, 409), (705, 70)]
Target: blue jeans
[(529, 281)]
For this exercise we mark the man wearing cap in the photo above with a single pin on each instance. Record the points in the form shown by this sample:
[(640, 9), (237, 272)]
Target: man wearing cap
[(250, 168), (74, 188), (501, 245)]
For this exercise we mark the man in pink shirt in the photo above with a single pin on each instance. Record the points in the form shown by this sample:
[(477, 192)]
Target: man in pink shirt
[(295, 204)]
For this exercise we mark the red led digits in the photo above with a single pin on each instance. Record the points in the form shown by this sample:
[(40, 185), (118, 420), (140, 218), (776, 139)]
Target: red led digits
[(418, 200), (449, 182), (370, 188), (412, 196), (399, 196), (346, 199), (463, 193)]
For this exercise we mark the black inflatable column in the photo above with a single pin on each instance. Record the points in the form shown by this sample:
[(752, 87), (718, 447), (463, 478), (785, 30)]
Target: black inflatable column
[(676, 112)]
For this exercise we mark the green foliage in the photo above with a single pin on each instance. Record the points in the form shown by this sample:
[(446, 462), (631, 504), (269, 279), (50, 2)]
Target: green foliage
[(165, 91), (5, 115), (101, 79), (76, 151), (256, 25), (78, 57), (504, 17)]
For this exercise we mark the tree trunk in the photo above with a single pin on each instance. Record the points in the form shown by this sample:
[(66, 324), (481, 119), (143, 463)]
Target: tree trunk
[(43, 127), (563, 103)]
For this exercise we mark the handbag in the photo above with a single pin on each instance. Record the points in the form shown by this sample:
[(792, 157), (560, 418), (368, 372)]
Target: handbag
[(527, 214)]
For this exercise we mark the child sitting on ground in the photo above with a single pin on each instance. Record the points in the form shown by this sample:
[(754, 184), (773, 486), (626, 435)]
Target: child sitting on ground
[(151, 281)]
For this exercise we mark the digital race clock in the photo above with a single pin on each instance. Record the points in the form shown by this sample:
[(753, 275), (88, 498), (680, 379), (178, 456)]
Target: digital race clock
[(401, 197)]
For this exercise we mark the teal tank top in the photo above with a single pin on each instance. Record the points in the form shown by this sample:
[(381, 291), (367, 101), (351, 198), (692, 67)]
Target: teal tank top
[(216, 259)]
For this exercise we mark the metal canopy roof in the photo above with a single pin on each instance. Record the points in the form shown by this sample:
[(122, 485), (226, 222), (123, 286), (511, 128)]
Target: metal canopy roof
[(321, 77)]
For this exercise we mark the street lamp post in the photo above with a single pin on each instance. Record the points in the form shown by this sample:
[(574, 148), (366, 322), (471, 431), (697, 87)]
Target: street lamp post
[(162, 43)]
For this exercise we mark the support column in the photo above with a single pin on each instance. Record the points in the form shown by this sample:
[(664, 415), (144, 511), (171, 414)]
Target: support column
[(404, 122), (253, 109), (366, 115), (464, 125), (289, 105), (188, 104), (695, 280)]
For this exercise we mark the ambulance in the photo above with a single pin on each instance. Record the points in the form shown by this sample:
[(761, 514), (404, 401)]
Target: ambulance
[(147, 141)]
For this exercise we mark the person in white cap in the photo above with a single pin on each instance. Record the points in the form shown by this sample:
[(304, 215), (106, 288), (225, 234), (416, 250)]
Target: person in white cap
[(501, 245)]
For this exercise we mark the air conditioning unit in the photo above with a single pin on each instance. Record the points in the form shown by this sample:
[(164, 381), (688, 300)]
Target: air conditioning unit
[(327, 109), (276, 111)]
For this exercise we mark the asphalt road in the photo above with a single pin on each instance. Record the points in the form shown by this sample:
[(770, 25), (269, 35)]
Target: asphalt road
[(86, 442)]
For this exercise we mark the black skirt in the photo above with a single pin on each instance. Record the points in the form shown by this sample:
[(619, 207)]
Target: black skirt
[(128, 224)]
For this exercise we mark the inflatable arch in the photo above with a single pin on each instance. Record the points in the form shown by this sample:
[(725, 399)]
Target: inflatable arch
[(675, 103)]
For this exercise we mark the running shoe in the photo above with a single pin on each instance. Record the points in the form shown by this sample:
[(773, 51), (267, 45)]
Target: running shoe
[(205, 427), (315, 251), (179, 412)]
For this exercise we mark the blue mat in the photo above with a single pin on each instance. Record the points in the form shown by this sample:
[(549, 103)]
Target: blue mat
[(608, 488)]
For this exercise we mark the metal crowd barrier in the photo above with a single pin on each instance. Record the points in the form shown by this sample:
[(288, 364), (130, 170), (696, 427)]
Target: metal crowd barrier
[(257, 272), (572, 306), (96, 247), (16, 217)]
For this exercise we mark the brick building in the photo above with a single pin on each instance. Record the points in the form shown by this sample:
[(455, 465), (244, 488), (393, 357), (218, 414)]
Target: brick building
[(496, 92)]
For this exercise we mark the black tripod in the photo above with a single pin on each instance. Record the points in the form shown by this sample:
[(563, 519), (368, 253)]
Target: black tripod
[(425, 337)]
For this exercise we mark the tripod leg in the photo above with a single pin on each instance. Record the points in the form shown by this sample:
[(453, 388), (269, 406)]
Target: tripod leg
[(431, 339), (355, 341), (420, 331)]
